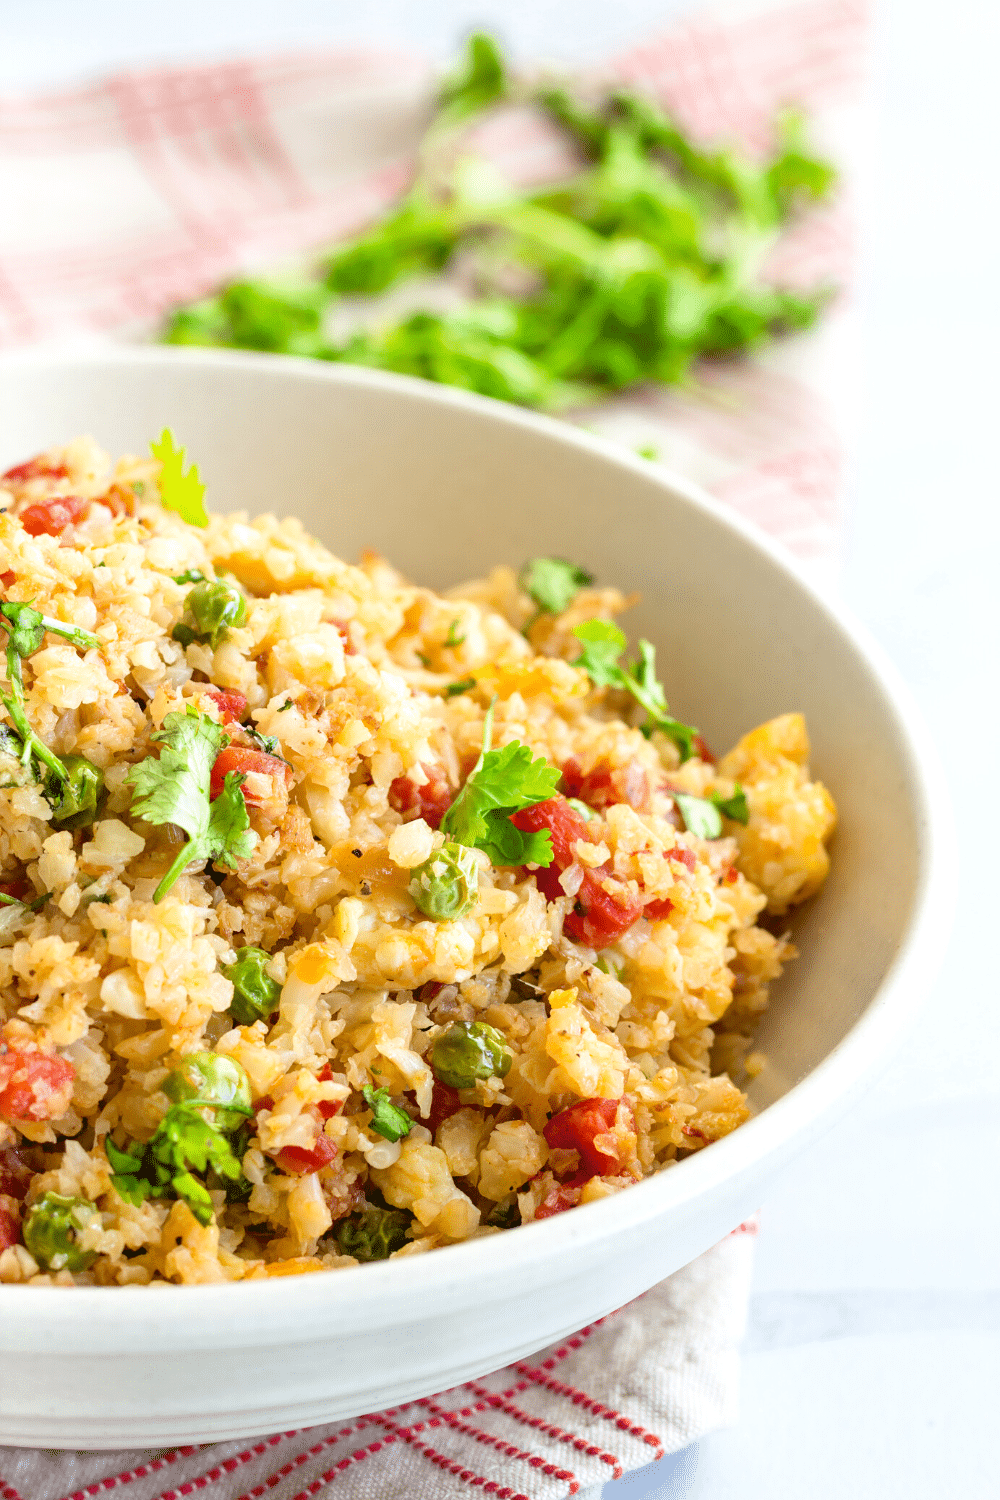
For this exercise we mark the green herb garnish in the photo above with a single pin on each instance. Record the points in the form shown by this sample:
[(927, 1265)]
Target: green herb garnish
[(464, 685), (179, 491), (388, 1119), (603, 644), (552, 583), (182, 1144), (703, 815), (175, 788), (501, 782)]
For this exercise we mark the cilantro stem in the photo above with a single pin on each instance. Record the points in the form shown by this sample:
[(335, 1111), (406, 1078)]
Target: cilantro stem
[(182, 860), (14, 704)]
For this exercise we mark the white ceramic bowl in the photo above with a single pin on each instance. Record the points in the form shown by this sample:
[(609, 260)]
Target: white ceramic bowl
[(446, 484)]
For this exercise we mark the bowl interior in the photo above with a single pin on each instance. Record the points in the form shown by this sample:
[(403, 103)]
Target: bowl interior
[(445, 486)]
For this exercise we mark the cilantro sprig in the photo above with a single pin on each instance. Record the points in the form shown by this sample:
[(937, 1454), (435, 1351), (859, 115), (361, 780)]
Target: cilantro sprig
[(26, 627), (649, 258), (500, 783), (703, 815), (179, 491), (552, 583), (603, 644), (388, 1120), (176, 786), (13, 702), (182, 1144)]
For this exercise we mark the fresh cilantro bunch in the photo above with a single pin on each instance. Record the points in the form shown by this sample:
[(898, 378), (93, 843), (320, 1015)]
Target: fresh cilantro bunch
[(647, 258), (179, 491), (603, 644), (182, 1144), (500, 783), (175, 788)]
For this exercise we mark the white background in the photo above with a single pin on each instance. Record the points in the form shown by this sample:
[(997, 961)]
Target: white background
[(873, 1360)]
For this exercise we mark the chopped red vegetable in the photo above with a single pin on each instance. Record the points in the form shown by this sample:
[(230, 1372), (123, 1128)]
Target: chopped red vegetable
[(10, 1229), (39, 467), (600, 915), (34, 1085), (245, 762), (15, 1173), (584, 1127), (297, 1160), (656, 910), (602, 785), (51, 517), (430, 801), (560, 1197), (444, 1102), (232, 705)]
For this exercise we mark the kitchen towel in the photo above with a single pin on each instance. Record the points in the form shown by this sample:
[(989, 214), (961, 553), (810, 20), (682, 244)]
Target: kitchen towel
[(129, 195), (645, 1381)]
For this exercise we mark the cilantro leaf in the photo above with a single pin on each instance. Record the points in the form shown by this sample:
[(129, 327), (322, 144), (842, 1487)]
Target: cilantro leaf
[(179, 491), (191, 575), (603, 643), (176, 789), (553, 583), (26, 628), (452, 638), (388, 1119), (13, 701), (481, 81), (183, 1143), (501, 782), (703, 815), (734, 807), (463, 685)]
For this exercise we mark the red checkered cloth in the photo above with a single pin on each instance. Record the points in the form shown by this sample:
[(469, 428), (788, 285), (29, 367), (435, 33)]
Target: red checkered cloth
[(125, 197)]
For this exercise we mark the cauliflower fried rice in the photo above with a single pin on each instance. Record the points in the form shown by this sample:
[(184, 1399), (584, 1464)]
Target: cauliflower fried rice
[(286, 1021)]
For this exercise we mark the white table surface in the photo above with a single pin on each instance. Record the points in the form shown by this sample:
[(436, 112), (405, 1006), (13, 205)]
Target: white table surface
[(873, 1359)]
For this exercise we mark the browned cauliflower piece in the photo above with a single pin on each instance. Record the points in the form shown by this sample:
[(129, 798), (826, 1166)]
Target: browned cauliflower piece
[(783, 846)]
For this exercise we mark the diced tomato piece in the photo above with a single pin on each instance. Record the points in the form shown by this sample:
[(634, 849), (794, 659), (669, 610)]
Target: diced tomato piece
[(444, 1102), (564, 824), (10, 1229), (8, 578), (430, 801), (702, 751), (39, 467), (603, 786), (232, 705), (683, 856), (656, 910), (598, 916), (692, 1130), (345, 636), (16, 888), (51, 517), (235, 758), (327, 1108), (264, 1102), (15, 1173), (732, 875), (560, 1197), (34, 1085), (575, 1129), (296, 1160)]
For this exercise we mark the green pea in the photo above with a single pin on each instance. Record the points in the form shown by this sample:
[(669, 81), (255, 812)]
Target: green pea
[(215, 1081), (469, 1050), (77, 800), (255, 994), (373, 1234), (214, 607), (446, 886), (51, 1230)]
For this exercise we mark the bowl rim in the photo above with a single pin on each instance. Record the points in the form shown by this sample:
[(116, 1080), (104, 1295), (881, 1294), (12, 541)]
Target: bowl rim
[(329, 1298)]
